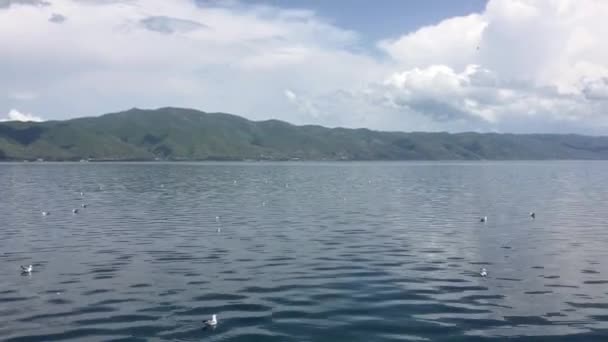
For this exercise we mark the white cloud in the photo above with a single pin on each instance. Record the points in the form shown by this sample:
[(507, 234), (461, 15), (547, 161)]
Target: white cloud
[(302, 104), (15, 115), (113, 56), (454, 39), (520, 65)]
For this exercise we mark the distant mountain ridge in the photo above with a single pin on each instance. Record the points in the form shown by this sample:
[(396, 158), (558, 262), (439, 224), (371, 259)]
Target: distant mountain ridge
[(187, 134)]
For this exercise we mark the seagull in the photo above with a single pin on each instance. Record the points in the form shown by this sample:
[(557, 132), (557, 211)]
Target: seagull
[(74, 211), (27, 269), (483, 272), (483, 219), (82, 194), (532, 215), (211, 322), (84, 205), (46, 213)]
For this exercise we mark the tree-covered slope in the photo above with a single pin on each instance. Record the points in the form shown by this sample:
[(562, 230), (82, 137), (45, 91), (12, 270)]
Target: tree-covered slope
[(185, 134)]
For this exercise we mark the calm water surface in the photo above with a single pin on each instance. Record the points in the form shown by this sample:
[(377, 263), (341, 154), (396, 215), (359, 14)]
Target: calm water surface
[(304, 251)]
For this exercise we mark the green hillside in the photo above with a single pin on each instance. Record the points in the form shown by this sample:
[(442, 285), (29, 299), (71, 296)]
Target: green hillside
[(186, 134)]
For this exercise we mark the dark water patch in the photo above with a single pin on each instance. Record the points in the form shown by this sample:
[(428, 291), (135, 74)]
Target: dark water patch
[(96, 291), (588, 305), (588, 271), (554, 314), (3, 292), (595, 282), (170, 292), (538, 292), (460, 289), (13, 299), (426, 268), (103, 276), (455, 258), (219, 296), (564, 286), (275, 289), (59, 301), (509, 279), (127, 339)]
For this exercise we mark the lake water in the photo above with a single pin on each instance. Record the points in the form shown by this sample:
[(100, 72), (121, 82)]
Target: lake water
[(304, 251)]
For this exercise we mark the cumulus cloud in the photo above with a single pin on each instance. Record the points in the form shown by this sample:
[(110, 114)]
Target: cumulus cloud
[(9, 3), (455, 40), (520, 65), (596, 89), (168, 25), (111, 56), (304, 105), (516, 64), (57, 18), (15, 115)]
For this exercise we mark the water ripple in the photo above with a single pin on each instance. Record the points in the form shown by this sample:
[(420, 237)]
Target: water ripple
[(304, 251)]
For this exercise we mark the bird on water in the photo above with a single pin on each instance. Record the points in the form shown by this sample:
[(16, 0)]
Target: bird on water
[(211, 322)]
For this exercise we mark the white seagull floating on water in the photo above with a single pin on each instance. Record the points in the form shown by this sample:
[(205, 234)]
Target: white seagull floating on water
[(483, 272), (211, 322), (46, 213), (27, 269), (74, 211), (483, 219)]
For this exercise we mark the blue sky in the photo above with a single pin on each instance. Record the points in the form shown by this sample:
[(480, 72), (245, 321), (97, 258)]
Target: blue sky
[(497, 66), (376, 20)]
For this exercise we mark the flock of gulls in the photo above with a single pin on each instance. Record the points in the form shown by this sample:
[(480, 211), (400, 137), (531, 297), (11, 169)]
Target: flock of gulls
[(74, 211), (483, 272), (212, 323), (27, 270)]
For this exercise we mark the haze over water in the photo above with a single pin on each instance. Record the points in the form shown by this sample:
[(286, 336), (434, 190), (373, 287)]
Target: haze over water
[(304, 251)]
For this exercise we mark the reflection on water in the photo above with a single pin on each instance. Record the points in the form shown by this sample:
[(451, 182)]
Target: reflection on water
[(304, 251)]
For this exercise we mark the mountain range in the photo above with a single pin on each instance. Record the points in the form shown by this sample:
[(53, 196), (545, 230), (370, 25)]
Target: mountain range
[(187, 134)]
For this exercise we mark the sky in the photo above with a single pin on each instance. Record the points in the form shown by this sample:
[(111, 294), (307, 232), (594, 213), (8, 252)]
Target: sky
[(520, 66)]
